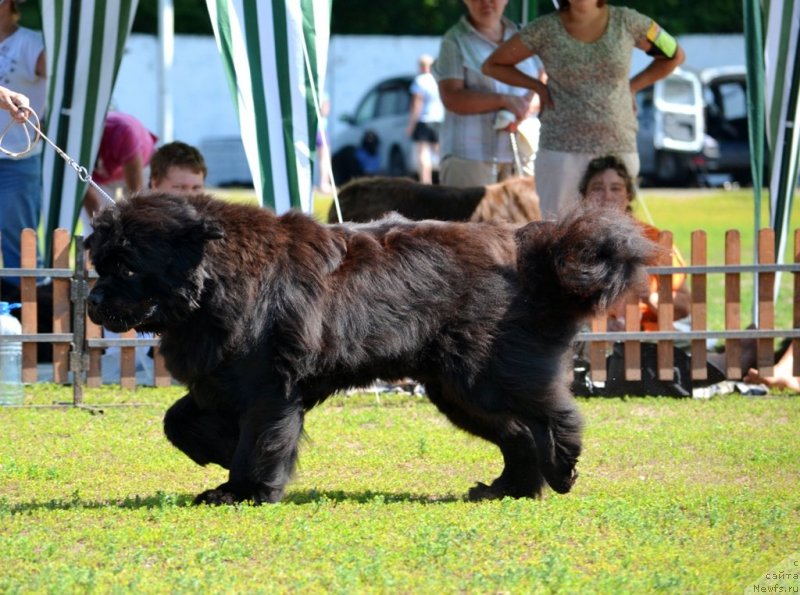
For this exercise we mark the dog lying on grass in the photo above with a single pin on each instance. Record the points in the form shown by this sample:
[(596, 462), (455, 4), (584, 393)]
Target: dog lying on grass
[(512, 201), (263, 317)]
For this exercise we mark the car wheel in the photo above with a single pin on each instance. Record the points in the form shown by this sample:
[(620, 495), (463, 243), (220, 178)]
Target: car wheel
[(397, 162)]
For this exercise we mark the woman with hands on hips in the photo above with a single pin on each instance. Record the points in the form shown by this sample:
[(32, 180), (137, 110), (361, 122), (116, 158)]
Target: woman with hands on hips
[(473, 152), (588, 103)]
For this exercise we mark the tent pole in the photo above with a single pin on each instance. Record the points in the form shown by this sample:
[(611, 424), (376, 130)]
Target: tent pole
[(166, 47), (753, 27)]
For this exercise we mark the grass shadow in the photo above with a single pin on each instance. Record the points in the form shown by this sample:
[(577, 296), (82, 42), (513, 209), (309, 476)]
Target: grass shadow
[(365, 497), (163, 500), (76, 502)]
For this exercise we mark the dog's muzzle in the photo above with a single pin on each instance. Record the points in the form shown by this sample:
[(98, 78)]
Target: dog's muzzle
[(110, 316)]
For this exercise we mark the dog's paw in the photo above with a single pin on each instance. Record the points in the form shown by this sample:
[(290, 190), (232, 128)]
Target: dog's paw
[(218, 497), (557, 460), (235, 492), (562, 480), (480, 491)]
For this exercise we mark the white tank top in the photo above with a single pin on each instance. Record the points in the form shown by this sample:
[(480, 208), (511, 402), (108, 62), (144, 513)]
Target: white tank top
[(18, 55)]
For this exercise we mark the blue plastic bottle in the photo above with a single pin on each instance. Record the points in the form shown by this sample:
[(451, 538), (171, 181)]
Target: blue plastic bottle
[(11, 392)]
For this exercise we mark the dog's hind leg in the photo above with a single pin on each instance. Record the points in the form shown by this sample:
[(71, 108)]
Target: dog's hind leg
[(520, 477), (558, 445), (265, 457), (204, 436)]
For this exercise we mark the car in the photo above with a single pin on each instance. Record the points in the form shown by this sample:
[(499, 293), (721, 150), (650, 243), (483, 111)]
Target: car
[(693, 126), (726, 120), (384, 111), (673, 148)]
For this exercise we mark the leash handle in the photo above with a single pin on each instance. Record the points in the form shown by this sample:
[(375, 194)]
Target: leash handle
[(81, 171)]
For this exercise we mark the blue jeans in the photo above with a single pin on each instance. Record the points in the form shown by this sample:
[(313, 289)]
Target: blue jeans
[(20, 205)]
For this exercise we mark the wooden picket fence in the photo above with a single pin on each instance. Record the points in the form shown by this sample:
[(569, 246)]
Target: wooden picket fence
[(78, 343), (733, 334)]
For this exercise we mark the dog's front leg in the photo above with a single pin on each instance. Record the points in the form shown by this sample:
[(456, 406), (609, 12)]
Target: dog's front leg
[(265, 456)]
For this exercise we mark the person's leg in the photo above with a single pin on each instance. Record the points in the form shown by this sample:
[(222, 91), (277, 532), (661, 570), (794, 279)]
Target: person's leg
[(424, 163), (20, 205), (783, 374), (465, 173), (557, 177)]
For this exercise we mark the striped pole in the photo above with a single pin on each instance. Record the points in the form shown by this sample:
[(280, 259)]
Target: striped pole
[(782, 111), (274, 90), (84, 42)]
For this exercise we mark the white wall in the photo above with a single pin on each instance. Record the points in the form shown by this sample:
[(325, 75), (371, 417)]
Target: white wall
[(202, 102)]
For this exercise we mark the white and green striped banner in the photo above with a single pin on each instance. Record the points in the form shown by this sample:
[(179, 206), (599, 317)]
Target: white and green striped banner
[(782, 78), (84, 42), (275, 55)]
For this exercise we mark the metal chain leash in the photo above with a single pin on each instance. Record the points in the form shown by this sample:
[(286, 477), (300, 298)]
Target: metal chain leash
[(81, 171)]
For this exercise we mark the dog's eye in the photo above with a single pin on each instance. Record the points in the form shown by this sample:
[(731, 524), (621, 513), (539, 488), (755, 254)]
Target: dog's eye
[(124, 271)]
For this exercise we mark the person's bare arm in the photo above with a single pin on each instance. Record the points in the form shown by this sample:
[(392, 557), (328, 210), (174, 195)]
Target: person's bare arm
[(502, 65), (15, 103), (659, 68), (134, 174), (460, 100), (41, 65), (92, 201)]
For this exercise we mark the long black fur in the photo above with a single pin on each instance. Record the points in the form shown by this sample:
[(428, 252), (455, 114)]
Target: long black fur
[(263, 317)]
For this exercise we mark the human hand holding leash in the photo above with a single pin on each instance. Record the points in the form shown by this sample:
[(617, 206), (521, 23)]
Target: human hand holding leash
[(15, 103)]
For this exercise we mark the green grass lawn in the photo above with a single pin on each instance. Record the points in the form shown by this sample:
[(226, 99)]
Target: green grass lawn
[(674, 495)]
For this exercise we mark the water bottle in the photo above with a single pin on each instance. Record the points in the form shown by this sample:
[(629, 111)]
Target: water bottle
[(10, 358)]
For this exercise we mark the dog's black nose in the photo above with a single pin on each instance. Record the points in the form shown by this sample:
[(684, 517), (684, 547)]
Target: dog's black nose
[(95, 297)]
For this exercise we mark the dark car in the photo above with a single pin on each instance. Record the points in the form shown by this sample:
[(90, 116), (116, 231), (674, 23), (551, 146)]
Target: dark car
[(693, 124), (725, 100)]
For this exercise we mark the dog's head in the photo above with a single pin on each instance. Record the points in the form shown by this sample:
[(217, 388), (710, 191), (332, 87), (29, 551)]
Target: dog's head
[(149, 254)]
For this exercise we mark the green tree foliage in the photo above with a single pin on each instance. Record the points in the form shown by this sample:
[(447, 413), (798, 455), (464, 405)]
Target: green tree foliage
[(191, 17), (434, 17)]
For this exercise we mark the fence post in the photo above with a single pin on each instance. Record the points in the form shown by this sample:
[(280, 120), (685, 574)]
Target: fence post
[(127, 362), (699, 305), (765, 350), (666, 310), (796, 318), (78, 358), (633, 349), (597, 349), (61, 306), (94, 377), (733, 304), (27, 290)]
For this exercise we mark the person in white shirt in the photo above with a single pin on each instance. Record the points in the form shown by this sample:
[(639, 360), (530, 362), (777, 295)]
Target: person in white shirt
[(427, 113), (23, 74)]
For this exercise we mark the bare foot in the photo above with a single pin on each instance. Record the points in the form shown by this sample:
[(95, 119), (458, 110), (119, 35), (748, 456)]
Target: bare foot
[(791, 383)]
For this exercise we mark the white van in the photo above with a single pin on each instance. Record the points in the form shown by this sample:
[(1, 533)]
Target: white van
[(693, 124)]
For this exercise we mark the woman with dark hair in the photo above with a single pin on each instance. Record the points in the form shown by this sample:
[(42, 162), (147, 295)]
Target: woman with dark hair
[(607, 182), (588, 105)]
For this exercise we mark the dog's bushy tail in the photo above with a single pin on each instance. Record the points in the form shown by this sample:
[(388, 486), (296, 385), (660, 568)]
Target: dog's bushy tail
[(581, 264)]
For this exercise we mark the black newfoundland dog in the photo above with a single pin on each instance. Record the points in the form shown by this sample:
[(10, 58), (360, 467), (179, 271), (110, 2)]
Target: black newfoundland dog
[(263, 317)]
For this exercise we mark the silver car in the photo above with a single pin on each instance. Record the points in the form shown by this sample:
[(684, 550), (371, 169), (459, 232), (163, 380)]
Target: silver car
[(383, 110)]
